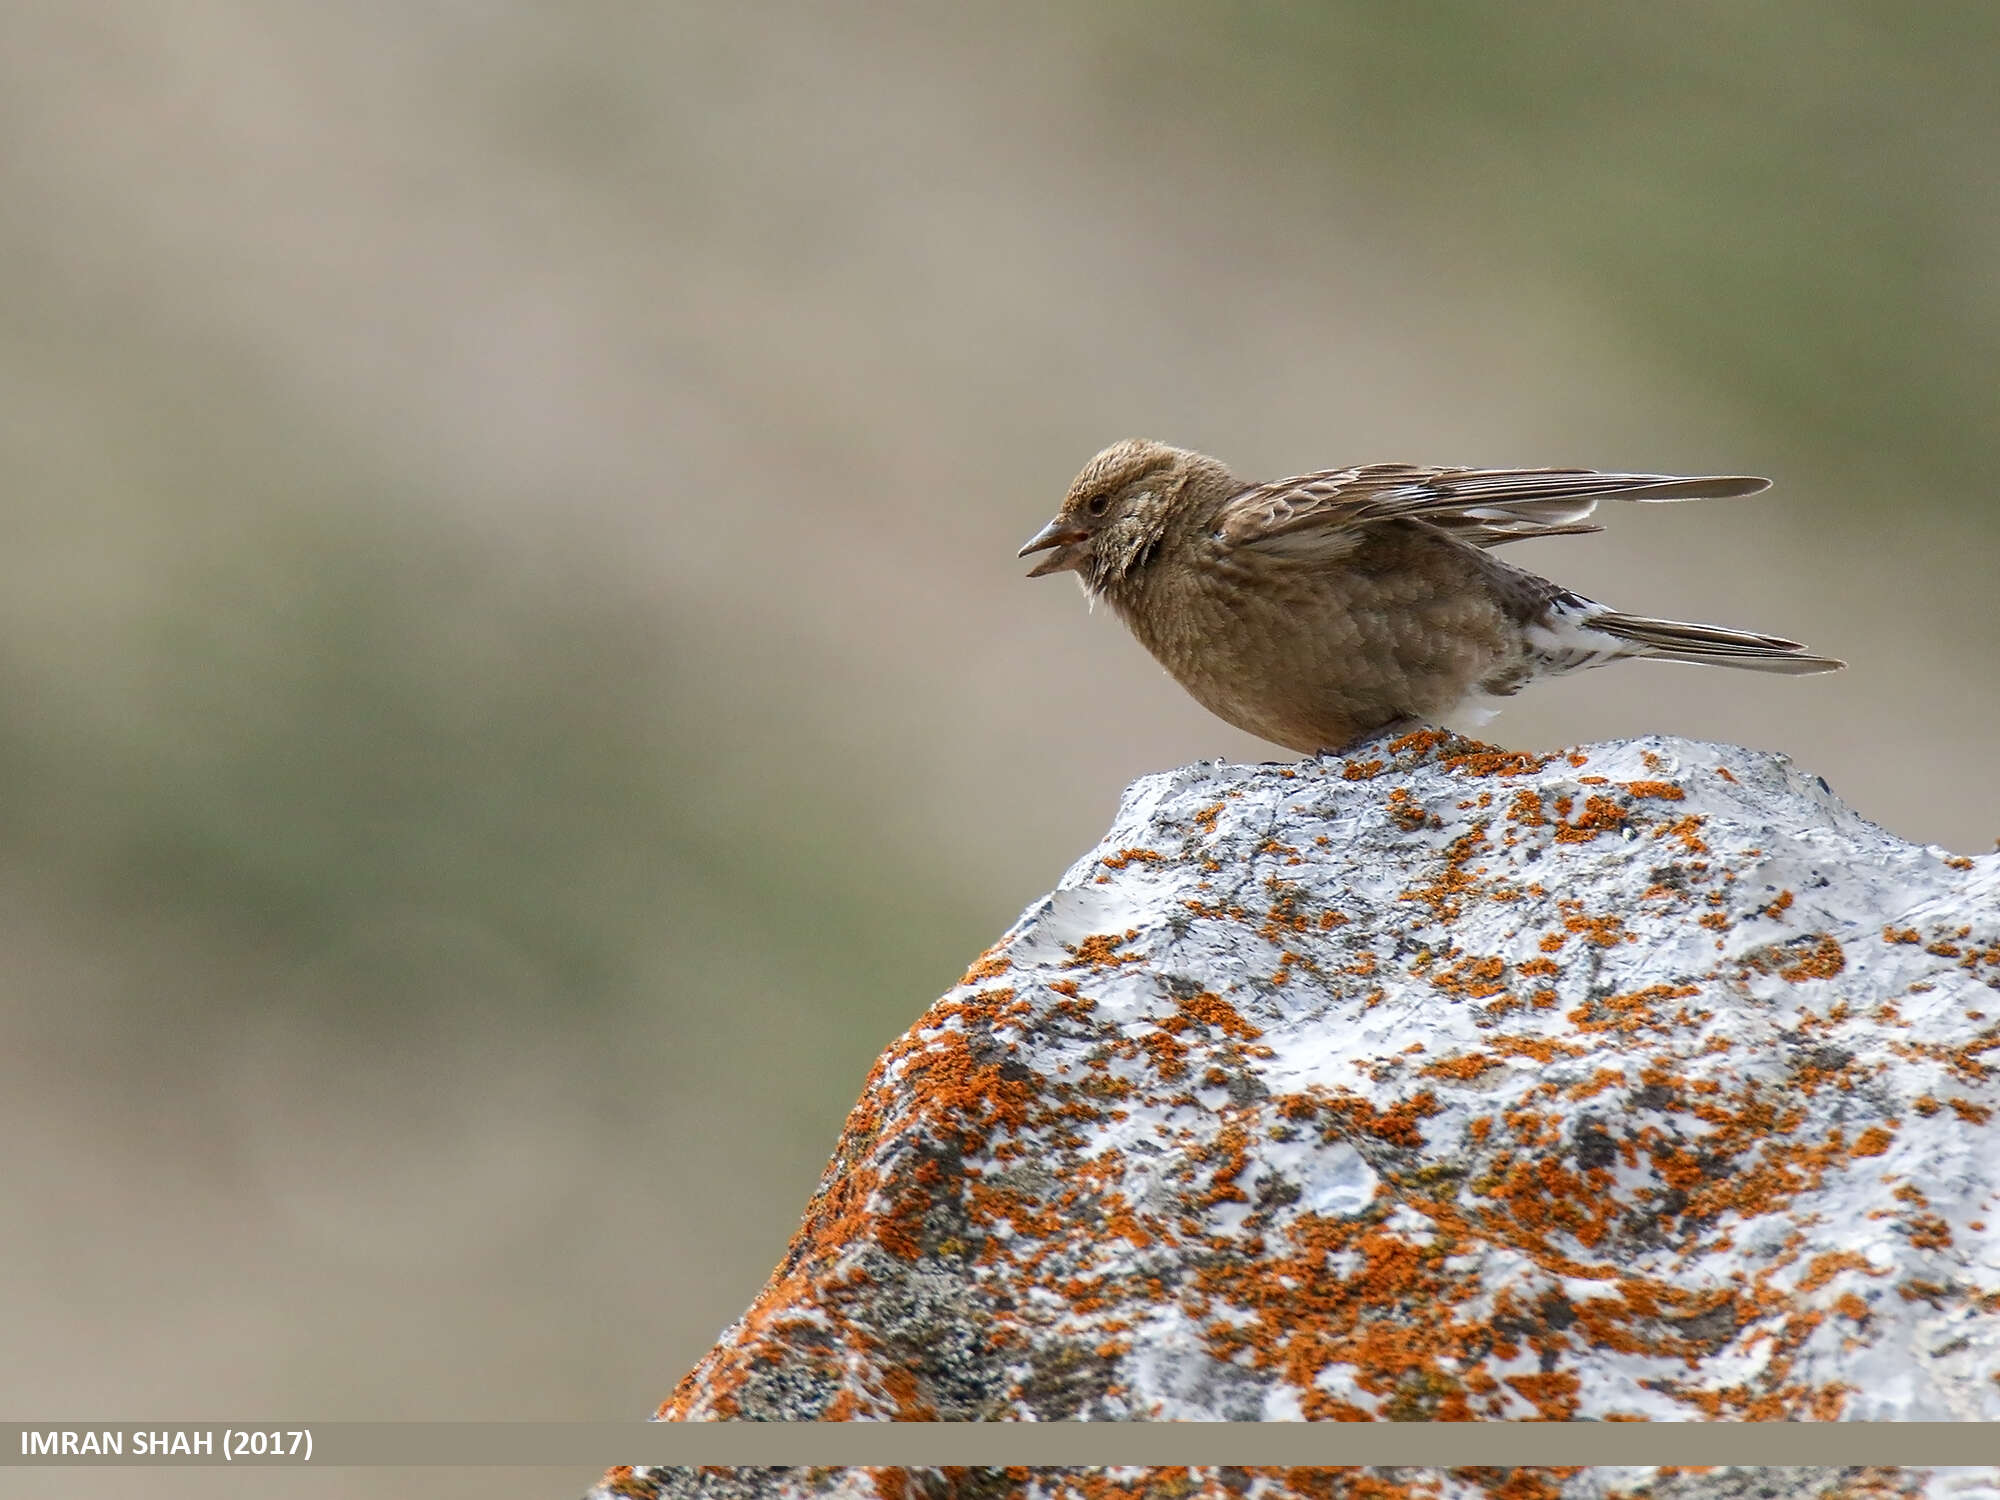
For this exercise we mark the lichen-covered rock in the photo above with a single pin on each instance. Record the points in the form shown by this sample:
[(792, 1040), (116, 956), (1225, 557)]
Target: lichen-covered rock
[(1641, 1081), (1516, 1483)]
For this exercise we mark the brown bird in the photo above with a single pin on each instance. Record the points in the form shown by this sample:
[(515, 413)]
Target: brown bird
[(1321, 610)]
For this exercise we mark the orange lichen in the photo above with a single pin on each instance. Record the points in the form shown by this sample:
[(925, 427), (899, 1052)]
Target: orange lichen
[(1125, 857), (991, 965), (1823, 961), (1462, 1068), (1422, 742), (1687, 830), (1100, 951), (1602, 932), (1871, 1142), (1553, 1394), (1446, 893), (1664, 791), (1212, 1010), (1600, 815), (1169, 1056), (1405, 809), (1496, 763), (1474, 978)]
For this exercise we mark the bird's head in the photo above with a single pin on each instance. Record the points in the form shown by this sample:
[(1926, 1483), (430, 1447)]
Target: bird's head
[(1116, 511)]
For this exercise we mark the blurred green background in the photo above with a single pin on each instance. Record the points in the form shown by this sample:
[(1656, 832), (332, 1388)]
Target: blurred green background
[(515, 681)]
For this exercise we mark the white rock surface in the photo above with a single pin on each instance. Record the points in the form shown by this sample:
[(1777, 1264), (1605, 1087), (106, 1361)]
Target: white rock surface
[(1624, 1482), (1643, 1081)]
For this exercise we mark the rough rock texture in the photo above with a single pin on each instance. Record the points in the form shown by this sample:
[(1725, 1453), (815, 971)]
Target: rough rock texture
[(1519, 1483), (1641, 1081)]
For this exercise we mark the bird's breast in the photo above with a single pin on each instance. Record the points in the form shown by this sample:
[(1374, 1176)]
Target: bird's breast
[(1311, 655)]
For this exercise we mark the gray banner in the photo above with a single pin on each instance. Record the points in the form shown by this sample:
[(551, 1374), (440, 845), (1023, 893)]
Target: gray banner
[(527, 1444)]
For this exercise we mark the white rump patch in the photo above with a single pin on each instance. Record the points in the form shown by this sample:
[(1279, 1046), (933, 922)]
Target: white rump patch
[(1563, 640), (1477, 708)]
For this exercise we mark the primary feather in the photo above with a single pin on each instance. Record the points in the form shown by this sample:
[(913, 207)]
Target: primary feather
[(1483, 506)]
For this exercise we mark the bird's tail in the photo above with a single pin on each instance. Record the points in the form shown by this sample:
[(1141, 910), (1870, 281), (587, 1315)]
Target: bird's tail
[(1713, 645)]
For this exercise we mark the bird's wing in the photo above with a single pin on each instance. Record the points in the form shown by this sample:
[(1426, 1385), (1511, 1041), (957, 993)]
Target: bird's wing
[(1323, 513)]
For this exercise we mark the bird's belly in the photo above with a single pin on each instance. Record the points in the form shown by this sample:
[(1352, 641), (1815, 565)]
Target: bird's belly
[(1316, 659)]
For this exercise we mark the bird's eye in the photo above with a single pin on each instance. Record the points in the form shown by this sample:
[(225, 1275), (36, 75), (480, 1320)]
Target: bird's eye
[(1098, 504)]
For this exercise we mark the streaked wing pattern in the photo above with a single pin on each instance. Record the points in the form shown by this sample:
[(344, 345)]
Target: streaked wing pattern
[(1483, 506)]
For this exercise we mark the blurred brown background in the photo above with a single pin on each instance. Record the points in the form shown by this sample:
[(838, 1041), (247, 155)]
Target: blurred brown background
[(515, 682)]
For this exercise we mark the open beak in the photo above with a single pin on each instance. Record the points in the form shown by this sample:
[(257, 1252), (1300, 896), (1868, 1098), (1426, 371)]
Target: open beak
[(1056, 538)]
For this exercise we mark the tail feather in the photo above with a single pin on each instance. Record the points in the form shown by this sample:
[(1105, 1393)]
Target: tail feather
[(1713, 645)]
